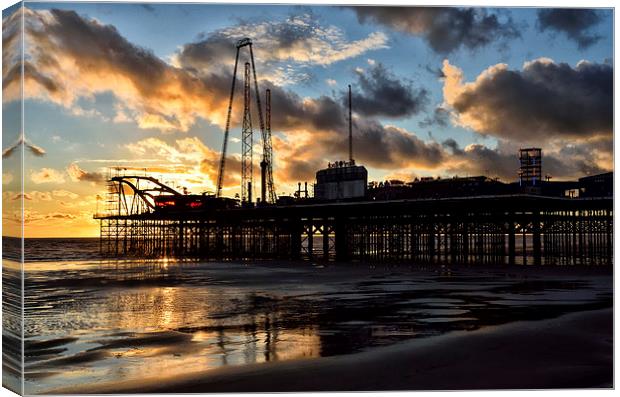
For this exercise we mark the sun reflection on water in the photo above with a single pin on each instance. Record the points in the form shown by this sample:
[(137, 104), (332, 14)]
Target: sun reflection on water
[(120, 331)]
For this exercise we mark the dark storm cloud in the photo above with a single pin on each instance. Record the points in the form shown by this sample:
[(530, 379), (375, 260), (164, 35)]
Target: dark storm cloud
[(542, 101), (292, 112), (379, 93), (575, 23), (386, 147), (561, 167), (30, 73), (445, 29), (481, 160), (300, 170), (452, 145), (571, 162), (326, 120), (203, 54), (583, 156)]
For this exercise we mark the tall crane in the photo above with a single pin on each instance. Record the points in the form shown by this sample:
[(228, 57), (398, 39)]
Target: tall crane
[(247, 141), (265, 133)]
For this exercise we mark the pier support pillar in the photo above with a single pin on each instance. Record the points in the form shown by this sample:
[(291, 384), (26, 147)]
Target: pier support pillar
[(296, 232), (465, 248), (342, 249), (180, 244), (511, 241), (310, 240), (325, 242), (453, 241), (431, 243), (536, 238)]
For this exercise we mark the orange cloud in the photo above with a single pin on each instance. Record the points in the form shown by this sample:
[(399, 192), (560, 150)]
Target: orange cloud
[(543, 101), (47, 175), (189, 162), (78, 174), (158, 95)]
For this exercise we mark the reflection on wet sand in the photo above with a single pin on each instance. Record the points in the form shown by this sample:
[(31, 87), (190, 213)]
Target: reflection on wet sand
[(124, 330), (92, 322), (11, 324)]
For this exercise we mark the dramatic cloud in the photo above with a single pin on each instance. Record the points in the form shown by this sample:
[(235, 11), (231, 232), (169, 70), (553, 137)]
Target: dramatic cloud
[(476, 159), (189, 161), (319, 125), (379, 93), (445, 29), (300, 39), (158, 95), (47, 175), (78, 174), (11, 56), (309, 131), (151, 92), (389, 147), (566, 163), (543, 101), (575, 23)]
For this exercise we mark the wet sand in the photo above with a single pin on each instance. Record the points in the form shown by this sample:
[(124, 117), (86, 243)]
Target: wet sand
[(571, 351), (98, 326), (211, 326)]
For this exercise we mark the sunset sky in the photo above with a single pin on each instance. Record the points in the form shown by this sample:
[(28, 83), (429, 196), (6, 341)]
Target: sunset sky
[(436, 92)]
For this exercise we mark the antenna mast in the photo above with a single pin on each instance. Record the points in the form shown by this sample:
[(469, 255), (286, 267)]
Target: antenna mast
[(350, 130)]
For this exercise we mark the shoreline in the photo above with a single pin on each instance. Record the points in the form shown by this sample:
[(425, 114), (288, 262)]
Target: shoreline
[(571, 351)]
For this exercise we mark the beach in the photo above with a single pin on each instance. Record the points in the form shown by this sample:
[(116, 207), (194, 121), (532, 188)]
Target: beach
[(94, 325), (573, 351)]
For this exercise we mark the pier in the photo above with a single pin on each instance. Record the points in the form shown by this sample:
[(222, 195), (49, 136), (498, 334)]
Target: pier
[(471, 220), (501, 230)]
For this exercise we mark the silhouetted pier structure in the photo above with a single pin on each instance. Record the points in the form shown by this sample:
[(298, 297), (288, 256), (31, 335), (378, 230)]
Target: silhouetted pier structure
[(503, 229)]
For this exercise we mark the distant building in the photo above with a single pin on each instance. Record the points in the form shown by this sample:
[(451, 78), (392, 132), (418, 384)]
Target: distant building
[(429, 187), (601, 185), (341, 180), (530, 171)]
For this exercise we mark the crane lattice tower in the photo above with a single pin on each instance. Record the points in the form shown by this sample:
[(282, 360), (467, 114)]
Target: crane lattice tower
[(247, 171)]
